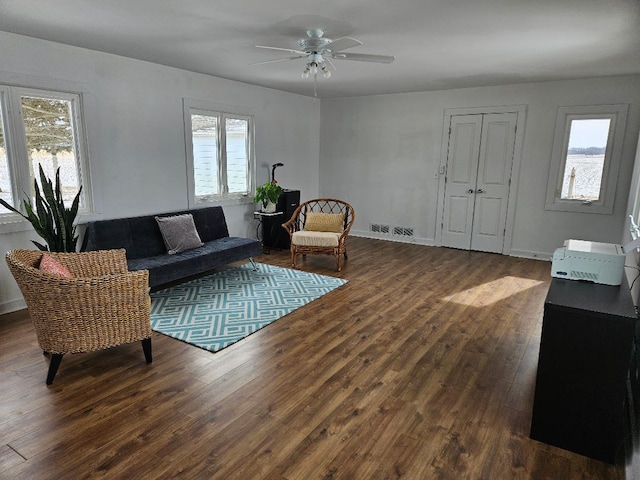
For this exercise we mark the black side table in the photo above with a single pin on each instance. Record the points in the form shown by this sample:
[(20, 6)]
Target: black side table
[(585, 355), (268, 229)]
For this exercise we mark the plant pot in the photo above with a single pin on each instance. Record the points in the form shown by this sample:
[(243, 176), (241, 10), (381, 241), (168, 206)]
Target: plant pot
[(270, 208)]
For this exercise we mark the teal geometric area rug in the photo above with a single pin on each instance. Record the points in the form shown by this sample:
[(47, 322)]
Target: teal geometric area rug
[(215, 311)]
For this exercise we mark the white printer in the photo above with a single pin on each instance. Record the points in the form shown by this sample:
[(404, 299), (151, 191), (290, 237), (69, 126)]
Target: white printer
[(592, 261)]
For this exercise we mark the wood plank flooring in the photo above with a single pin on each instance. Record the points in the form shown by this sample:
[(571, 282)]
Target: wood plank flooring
[(421, 367)]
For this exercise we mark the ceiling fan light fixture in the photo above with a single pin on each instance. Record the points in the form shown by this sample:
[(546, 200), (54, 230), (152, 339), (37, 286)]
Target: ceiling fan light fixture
[(313, 68), (326, 73), (305, 73)]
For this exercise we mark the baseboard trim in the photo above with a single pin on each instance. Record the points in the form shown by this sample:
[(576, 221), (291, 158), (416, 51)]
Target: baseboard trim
[(12, 306), (431, 243), (531, 255), (393, 238)]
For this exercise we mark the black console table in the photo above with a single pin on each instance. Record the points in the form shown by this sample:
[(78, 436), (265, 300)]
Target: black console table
[(585, 354)]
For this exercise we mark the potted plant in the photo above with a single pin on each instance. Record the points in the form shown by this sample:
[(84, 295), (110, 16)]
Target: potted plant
[(50, 219), (268, 194)]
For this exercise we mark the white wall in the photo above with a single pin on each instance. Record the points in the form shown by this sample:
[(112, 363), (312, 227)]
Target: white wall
[(381, 154), (134, 125)]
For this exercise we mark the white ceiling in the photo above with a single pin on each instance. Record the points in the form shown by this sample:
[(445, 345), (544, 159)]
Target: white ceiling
[(438, 44)]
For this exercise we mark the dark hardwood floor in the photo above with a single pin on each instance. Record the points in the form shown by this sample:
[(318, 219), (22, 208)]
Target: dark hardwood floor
[(421, 367)]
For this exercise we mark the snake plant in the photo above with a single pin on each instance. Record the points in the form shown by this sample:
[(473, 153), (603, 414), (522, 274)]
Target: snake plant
[(50, 219)]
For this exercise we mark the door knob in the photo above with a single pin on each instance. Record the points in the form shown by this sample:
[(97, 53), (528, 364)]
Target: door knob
[(480, 190), (470, 190)]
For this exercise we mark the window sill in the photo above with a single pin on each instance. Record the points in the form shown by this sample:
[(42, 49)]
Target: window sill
[(579, 207), (15, 223), (243, 200)]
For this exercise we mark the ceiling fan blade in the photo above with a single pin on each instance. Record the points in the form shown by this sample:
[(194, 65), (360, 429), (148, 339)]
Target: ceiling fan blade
[(278, 60), (363, 57), (343, 43), (290, 50), (328, 60)]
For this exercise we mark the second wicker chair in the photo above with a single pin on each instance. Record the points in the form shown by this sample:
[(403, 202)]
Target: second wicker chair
[(320, 226)]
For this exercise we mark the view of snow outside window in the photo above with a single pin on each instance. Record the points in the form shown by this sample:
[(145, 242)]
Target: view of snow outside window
[(49, 135), (205, 155), (584, 164)]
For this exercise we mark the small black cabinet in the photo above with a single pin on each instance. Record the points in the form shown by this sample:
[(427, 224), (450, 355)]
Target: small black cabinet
[(585, 355), (273, 235)]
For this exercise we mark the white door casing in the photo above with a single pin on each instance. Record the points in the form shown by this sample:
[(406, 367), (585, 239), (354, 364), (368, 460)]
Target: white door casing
[(479, 167)]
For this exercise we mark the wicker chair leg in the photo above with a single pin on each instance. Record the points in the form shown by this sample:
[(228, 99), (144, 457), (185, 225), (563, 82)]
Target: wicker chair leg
[(293, 258), (56, 358), (146, 347)]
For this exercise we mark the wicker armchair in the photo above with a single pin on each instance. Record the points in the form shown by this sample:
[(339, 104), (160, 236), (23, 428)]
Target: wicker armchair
[(321, 237), (104, 305)]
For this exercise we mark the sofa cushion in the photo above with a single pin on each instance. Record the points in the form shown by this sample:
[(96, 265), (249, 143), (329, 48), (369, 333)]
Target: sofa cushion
[(141, 237), (165, 268), (179, 233)]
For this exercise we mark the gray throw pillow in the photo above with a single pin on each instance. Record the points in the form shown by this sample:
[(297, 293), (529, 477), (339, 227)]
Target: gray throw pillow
[(179, 233)]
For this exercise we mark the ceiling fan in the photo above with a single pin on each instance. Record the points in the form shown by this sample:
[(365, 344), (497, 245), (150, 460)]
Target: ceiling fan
[(319, 51)]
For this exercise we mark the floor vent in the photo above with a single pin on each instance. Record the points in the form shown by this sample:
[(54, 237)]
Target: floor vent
[(403, 231), (377, 228)]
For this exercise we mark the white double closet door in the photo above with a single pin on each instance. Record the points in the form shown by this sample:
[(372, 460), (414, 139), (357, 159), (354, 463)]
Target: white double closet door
[(477, 182)]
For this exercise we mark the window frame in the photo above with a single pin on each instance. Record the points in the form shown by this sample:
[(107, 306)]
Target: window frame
[(617, 114), (222, 112), (16, 146)]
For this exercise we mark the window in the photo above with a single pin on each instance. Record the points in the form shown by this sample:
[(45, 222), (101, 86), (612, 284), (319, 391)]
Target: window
[(41, 128), (586, 158), (219, 154)]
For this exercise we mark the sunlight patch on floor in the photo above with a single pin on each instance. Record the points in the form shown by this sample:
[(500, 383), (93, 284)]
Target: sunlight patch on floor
[(492, 292)]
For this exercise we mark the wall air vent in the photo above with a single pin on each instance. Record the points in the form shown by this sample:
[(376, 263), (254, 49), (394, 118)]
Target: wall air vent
[(378, 228), (403, 231)]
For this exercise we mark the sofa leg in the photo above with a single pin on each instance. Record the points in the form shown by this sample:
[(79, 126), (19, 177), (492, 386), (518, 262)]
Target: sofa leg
[(146, 348), (56, 358), (253, 264)]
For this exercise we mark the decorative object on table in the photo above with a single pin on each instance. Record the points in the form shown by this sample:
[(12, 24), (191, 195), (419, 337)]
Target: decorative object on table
[(218, 310), (267, 195), (273, 171), (50, 219), (320, 226), (102, 305)]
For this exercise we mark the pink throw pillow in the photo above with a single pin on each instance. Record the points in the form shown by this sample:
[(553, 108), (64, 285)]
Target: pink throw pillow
[(51, 265)]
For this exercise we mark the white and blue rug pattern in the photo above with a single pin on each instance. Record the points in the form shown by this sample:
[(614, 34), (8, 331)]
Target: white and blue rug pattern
[(215, 311)]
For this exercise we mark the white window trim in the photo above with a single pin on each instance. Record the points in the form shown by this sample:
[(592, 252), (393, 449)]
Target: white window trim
[(16, 149), (209, 107), (618, 115)]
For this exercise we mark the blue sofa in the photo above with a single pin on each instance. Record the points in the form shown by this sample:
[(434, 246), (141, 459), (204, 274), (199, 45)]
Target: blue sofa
[(141, 238)]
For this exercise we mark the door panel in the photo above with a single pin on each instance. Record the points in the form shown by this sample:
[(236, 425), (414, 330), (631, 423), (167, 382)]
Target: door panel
[(495, 158), (477, 183), (462, 167), (494, 175), (487, 212)]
